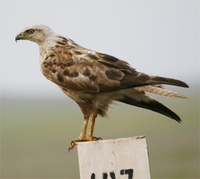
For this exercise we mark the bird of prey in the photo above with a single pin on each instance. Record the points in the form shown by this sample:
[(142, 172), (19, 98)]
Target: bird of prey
[(93, 80)]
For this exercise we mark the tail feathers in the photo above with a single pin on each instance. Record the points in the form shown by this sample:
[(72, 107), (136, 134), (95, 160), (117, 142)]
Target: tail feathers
[(169, 81), (158, 89), (151, 104)]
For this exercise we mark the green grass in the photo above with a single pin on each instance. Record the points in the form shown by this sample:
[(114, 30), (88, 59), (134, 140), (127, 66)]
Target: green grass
[(35, 136)]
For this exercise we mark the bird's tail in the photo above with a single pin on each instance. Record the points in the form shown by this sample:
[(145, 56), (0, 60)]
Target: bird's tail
[(158, 89)]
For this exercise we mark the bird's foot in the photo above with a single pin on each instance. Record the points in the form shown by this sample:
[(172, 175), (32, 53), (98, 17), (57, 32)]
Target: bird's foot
[(96, 138), (73, 142)]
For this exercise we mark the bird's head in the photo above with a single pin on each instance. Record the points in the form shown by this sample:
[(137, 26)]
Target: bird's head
[(37, 33)]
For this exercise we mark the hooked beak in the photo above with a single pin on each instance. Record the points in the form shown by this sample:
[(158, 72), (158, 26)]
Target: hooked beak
[(21, 37), (17, 38)]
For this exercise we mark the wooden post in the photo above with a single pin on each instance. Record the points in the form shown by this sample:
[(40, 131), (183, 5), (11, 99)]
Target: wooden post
[(123, 158)]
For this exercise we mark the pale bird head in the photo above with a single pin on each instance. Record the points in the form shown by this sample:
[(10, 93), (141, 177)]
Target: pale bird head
[(37, 33)]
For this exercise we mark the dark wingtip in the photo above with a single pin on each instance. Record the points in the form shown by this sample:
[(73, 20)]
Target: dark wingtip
[(186, 85), (175, 117), (169, 81), (160, 108), (152, 105), (182, 84), (179, 121)]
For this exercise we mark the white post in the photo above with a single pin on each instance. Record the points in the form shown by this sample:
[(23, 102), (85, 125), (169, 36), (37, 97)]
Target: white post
[(123, 158)]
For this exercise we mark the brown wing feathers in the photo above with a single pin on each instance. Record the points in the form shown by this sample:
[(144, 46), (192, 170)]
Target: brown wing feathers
[(95, 72), (151, 104), (132, 78), (169, 81), (129, 77)]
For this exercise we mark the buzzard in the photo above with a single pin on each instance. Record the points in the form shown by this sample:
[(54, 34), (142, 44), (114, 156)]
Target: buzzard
[(93, 80)]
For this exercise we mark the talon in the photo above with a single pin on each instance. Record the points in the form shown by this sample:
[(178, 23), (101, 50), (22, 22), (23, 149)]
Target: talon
[(73, 143), (96, 138)]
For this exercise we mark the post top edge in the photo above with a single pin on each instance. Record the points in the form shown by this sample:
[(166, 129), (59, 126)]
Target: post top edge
[(114, 140)]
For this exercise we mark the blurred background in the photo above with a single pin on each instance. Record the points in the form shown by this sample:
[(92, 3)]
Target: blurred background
[(38, 121)]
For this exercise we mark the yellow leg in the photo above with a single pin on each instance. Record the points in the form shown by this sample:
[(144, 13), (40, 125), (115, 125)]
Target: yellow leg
[(91, 128), (84, 128), (82, 136)]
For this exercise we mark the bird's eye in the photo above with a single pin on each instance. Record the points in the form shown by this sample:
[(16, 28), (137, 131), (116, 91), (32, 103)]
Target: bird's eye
[(30, 31)]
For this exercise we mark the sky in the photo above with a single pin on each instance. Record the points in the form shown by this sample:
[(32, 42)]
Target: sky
[(156, 37)]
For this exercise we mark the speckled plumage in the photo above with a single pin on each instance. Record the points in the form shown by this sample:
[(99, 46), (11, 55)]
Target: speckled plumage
[(95, 79)]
